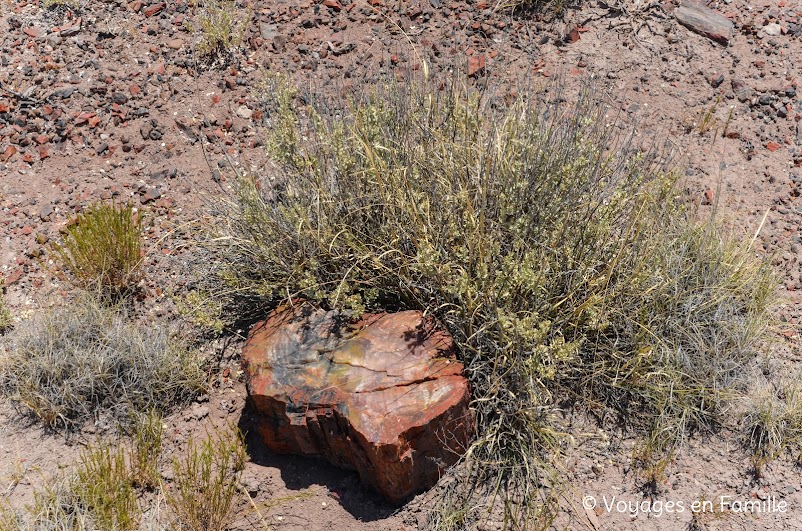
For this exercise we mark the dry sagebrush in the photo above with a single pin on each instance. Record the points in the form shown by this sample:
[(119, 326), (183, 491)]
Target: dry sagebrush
[(555, 252)]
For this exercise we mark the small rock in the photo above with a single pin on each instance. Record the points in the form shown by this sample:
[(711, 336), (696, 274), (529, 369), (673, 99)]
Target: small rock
[(64, 93), (571, 35), (772, 30), (742, 91), (244, 112), (8, 153), (153, 9), (250, 482), (268, 31), (279, 43), (71, 30), (175, 44), (342, 49), (199, 412), (145, 130), (151, 194), (46, 211), (185, 127)]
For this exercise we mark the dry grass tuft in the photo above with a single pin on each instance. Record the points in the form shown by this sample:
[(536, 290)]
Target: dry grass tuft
[(206, 482), (104, 491), (101, 492), (773, 422), (71, 364), (548, 9)]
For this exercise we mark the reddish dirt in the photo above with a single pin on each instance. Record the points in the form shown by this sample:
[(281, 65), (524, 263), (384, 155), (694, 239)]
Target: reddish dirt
[(104, 103)]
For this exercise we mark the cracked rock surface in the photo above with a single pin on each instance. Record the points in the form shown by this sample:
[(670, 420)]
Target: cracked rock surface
[(383, 395)]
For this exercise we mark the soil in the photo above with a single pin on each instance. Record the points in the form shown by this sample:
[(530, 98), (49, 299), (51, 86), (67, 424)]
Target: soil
[(106, 102)]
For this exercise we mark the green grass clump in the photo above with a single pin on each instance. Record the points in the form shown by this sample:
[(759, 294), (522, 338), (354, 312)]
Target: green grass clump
[(145, 449), (105, 489), (102, 486), (221, 26), (101, 252), (206, 482), (555, 251), (68, 365), (101, 492)]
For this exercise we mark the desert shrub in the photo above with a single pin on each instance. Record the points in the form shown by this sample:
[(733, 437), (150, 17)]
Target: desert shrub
[(48, 4), (221, 26), (101, 251), (201, 309), (548, 9), (773, 422), (554, 250), (206, 480), (6, 320), (70, 364)]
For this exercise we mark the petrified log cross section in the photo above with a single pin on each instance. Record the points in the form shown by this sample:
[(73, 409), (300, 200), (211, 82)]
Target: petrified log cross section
[(383, 396)]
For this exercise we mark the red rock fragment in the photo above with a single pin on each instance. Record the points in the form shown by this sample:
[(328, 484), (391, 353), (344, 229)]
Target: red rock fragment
[(333, 4), (383, 396), (8, 153), (14, 276), (152, 10), (476, 65), (572, 35), (84, 117), (772, 146), (34, 32)]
